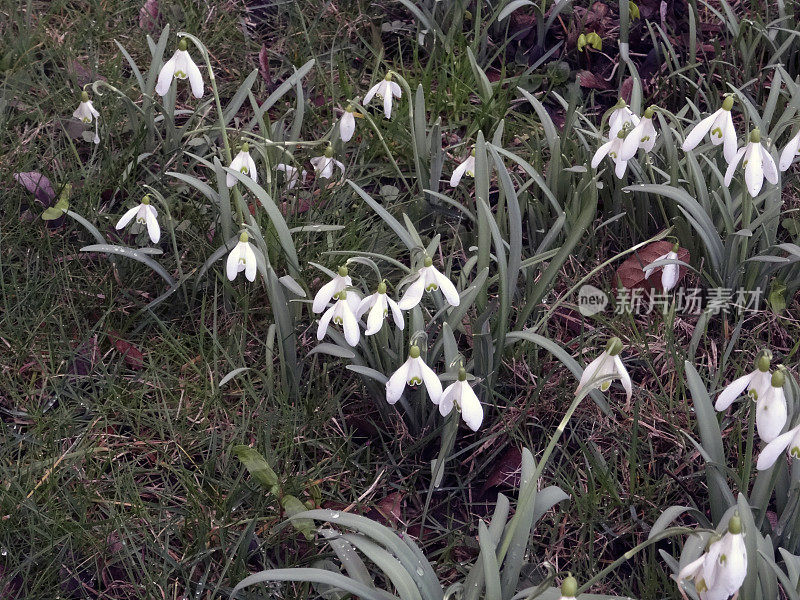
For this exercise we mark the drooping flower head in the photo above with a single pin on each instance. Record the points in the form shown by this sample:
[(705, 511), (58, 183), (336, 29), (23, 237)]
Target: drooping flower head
[(461, 394), (341, 313), (613, 149), (242, 258), (758, 165), (608, 363), (757, 383), (619, 118), (721, 129), (347, 124), (324, 165), (569, 588), (293, 175), (642, 136), (146, 215), (340, 282), (413, 372), (243, 163), (378, 305), (85, 112), (428, 279), (771, 409), (790, 152), (465, 168), (385, 89), (180, 66), (669, 273)]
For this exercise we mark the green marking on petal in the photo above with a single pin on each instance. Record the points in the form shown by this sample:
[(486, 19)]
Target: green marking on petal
[(605, 385), (431, 286), (794, 452), (612, 154), (414, 381), (181, 75), (338, 320)]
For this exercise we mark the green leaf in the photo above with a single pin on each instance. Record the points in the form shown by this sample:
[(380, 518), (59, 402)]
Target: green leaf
[(316, 576), (292, 506), (136, 255), (258, 467), (484, 86)]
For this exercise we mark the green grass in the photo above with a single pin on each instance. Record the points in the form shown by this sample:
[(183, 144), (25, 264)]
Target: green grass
[(120, 482)]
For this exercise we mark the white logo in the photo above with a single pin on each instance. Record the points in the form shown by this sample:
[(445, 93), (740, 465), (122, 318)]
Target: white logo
[(591, 300)]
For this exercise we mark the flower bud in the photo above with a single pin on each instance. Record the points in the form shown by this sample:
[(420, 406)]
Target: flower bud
[(675, 247), (245, 147), (778, 379), (763, 361), (614, 346), (382, 287), (329, 151), (146, 199), (569, 587), (649, 112), (735, 524), (727, 104)]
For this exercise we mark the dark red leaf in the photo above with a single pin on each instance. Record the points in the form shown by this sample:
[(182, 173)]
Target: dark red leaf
[(38, 185), (132, 355), (263, 65), (150, 16), (631, 273)]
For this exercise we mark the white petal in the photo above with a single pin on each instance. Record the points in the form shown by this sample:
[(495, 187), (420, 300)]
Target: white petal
[(790, 152), (770, 170), (448, 289), (324, 321), (250, 265), (446, 400), (232, 264), (127, 217), (195, 77), (601, 153), (413, 294), (396, 313), (153, 230), (397, 382), (165, 76), (620, 166), (771, 414), (395, 89), (649, 270), (773, 450), (387, 103), (347, 126), (733, 390), (649, 136), (624, 378), (753, 171), (236, 165), (698, 132), (759, 384), (458, 173), (372, 91), (340, 165), (471, 409), (732, 166), (591, 371), (375, 317), (324, 295), (730, 142), (631, 143), (432, 383), (352, 333), (669, 277), (691, 569), (365, 304)]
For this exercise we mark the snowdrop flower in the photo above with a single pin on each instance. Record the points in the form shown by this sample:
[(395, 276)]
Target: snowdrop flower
[(642, 135), (460, 393), (413, 372), (757, 383), (613, 149), (242, 258), (757, 164), (292, 174), (385, 89), (790, 152), (620, 117), (771, 409), (86, 113), (243, 163), (347, 124), (721, 570), (180, 66), (569, 588), (720, 124), (323, 165), (669, 273), (340, 282), (378, 305), (467, 167), (608, 363), (429, 279), (341, 313), (146, 215)]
